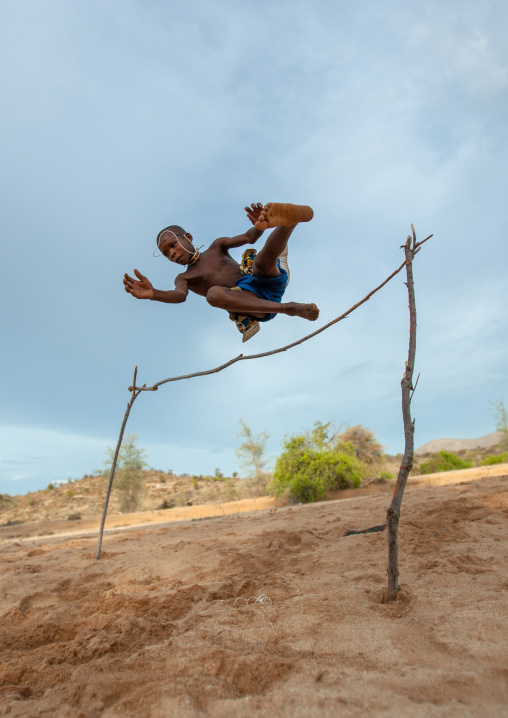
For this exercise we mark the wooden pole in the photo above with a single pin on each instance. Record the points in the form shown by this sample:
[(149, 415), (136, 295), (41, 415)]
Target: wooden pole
[(134, 395), (411, 248)]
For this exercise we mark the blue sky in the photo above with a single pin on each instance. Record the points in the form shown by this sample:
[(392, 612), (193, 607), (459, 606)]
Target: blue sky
[(121, 118)]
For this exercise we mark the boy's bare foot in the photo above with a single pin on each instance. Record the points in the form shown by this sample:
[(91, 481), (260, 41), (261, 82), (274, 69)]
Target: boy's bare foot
[(283, 215), (305, 311)]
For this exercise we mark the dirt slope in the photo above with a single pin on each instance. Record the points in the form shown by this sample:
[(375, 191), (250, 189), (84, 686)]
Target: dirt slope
[(155, 629)]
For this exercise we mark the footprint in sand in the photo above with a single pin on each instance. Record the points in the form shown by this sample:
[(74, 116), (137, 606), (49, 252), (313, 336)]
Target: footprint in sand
[(39, 600)]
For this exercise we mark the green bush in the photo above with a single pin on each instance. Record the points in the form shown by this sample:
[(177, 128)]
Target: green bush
[(312, 464), (495, 459), (446, 461)]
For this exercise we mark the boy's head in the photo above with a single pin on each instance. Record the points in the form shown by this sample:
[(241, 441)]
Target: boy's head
[(176, 244)]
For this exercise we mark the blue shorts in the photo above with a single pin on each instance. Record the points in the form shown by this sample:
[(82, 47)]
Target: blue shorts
[(270, 288)]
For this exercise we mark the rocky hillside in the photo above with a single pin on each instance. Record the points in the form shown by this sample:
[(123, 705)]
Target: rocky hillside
[(84, 498), (475, 453)]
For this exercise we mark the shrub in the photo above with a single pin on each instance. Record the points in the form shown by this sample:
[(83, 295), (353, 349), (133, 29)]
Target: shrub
[(313, 463), (166, 505), (129, 480), (256, 485), (69, 493), (446, 461), (231, 493), (495, 459), (367, 447), (50, 487)]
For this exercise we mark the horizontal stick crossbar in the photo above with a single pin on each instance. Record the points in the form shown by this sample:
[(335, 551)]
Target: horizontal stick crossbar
[(242, 357)]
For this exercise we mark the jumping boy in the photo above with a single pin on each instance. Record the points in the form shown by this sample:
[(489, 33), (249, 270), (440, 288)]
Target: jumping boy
[(251, 292)]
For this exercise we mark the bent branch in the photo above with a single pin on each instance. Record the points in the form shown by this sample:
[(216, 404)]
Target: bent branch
[(241, 357)]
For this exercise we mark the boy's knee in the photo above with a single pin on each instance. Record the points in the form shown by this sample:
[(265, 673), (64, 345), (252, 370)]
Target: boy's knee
[(214, 296)]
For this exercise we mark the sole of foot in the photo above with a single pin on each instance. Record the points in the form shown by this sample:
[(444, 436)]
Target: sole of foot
[(305, 311), (283, 215)]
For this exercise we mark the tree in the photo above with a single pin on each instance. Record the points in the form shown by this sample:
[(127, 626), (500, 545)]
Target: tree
[(251, 453), (367, 447), (501, 421), (129, 480), (313, 463), (251, 450)]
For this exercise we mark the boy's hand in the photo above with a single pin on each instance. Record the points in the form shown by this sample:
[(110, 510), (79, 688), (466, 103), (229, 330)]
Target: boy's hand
[(141, 289), (254, 211)]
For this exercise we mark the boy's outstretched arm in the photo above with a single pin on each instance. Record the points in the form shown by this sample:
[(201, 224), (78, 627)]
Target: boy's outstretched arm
[(142, 288), (251, 235)]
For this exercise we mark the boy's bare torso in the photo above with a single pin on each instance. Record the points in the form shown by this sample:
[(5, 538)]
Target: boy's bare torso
[(215, 267)]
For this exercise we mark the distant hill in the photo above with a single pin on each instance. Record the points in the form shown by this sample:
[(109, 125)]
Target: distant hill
[(455, 445), (84, 498)]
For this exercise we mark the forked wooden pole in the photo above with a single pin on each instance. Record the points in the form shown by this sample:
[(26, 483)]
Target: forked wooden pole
[(134, 395), (411, 248)]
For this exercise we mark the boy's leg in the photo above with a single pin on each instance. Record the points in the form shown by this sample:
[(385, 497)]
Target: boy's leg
[(284, 218), (265, 263), (248, 303)]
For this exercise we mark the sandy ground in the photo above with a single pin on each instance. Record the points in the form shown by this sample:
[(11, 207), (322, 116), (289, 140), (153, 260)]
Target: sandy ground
[(116, 521), (154, 628)]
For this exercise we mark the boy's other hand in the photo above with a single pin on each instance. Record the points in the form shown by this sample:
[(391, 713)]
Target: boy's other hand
[(254, 211), (140, 288)]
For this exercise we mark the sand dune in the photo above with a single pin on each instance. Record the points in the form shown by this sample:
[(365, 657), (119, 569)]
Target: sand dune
[(152, 628)]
